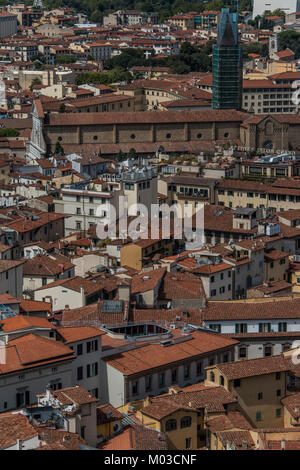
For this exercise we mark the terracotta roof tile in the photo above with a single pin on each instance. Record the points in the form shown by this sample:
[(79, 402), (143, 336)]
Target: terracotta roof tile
[(21, 322), (244, 310), (253, 367), (137, 437), (14, 427), (72, 334), (151, 356)]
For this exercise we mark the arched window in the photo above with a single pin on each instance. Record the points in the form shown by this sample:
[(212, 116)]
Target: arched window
[(171, 425), (168, 136), (199, 136), (212, 376), (132, 136), (186, 422)]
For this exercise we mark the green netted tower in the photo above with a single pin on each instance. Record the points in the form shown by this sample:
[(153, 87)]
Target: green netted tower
[(227, 64)]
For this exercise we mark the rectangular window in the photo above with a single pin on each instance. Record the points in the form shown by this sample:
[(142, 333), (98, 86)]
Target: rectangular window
[(92, 346), (188, 443), (260, 396), (135, 388), (186, 372), (22, 399), (216, 327), (258, 416), (268, 351), (148, 383), (278, 412), (92, 369), (241, 328), (264, 327), (174, 376), (242, 353), (282, 326), (161, 380), (237, 383), (79, 349), (79, 373)]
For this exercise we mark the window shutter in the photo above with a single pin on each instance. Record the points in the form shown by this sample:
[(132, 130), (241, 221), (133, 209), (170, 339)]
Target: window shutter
[(88, 367), (96, 368)]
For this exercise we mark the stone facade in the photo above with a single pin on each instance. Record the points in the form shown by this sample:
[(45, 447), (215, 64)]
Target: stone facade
[(139, 130)]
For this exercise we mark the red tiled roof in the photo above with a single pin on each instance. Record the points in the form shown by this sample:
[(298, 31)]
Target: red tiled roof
[(76, 394), (108, 413), (155, 355), (14, 427), (253, 367), (136, 437), (233, 419), (21, 322), (27, 306), (71, 119), (147, 281), (32, 351), (240, 440), (72, 334), (43, 265)]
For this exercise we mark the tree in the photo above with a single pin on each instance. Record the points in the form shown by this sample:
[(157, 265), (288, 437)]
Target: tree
[(132, 153), (38, 57), (290, 40), (65, 59), (103, 78), (121, 156), (277, 12), (9, 132), (35, 82), (59, 149)]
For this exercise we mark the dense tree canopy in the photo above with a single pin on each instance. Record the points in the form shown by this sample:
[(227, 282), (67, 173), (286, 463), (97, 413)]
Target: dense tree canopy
[(96, 9), (290, 40), (9, 132), (256, 48), (189, 59), (103, 78), (65, 59)]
